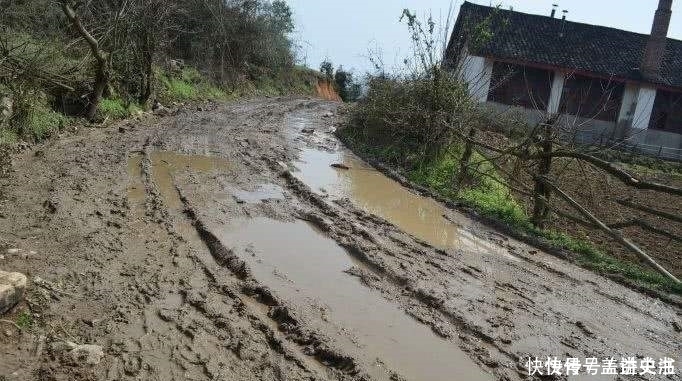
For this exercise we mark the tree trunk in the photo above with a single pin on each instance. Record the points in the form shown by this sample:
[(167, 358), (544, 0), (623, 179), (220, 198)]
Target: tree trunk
[(464, 174), (101, 82), (102, 69), (541, 192), (147, 75)]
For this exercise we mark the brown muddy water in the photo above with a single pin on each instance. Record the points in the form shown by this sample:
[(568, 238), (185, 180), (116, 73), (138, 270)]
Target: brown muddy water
[(165, 163), (307, 268), (261, 193), (374, 192)]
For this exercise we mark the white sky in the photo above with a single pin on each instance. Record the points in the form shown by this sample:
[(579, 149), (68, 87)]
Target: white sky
[(346, 30)]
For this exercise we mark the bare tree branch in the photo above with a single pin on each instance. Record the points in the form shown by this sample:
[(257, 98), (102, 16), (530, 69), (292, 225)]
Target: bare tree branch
[(633, 205)]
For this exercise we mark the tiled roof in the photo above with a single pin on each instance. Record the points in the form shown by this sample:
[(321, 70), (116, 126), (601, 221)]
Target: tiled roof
[(543, 40)]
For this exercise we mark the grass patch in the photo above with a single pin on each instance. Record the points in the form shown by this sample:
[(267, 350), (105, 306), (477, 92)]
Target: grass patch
[(7, 136), (40, 122), (116, 108), (297, 80), (113, 108), (188, 85), (33, 118), (191, 85), (593, 258), (487, 195), (24, 321)]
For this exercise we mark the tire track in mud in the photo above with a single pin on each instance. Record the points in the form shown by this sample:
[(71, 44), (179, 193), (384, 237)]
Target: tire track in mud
[(336, 222), (309, 343), (247, 292)]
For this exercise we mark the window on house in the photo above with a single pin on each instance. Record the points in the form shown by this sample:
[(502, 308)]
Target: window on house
[(667, 112), (519, 85), (591, 98)]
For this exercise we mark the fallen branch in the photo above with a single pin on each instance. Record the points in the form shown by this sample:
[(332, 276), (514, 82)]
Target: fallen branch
[(646, 226), (633, 205), (606, 166)]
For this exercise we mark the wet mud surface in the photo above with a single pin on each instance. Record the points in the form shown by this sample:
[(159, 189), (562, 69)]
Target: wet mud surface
[(223, 245)]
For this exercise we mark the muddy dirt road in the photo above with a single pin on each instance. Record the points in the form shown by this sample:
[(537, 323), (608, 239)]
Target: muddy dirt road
[(222, 245)]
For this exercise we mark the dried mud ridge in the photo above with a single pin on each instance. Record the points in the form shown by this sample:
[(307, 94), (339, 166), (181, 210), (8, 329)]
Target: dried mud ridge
[(126, 233)]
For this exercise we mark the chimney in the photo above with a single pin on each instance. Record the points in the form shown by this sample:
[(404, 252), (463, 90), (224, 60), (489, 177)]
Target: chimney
[(655, 46), (554, 6), (563, 24)]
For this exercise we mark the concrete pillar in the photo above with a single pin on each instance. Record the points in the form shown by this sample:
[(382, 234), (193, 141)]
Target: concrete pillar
[(556, 92), (645, 104), (477, 73)]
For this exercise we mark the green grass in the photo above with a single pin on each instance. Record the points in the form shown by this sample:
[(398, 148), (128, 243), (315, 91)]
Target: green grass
[(491, 198), (33, 118), (7, 136), (191, 85), (297, 80), (24, 321), (116, 108), (41, 122), (188, 85), (595, 259), (113, 108), (488, 195)]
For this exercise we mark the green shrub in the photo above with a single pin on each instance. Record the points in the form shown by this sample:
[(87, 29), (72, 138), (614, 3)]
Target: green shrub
[(414, 115)]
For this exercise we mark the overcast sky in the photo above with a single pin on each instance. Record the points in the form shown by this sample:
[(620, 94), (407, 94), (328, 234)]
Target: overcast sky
[(346, 30)]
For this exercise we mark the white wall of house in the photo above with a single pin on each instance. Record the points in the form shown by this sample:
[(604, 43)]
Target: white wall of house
[(556, 92), (627, 106), (477, 72), (645, 104)]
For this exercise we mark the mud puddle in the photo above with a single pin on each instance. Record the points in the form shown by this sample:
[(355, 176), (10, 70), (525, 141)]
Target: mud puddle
[(262, 193), (306, 268), (165, 164), (374, 192)]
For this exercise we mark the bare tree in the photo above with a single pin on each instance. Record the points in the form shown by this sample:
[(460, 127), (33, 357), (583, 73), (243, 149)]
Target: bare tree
[(102, 66)]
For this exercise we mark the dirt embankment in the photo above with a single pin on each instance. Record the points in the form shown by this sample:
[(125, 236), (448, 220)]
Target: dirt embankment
[(325, 90), (190, 247)]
